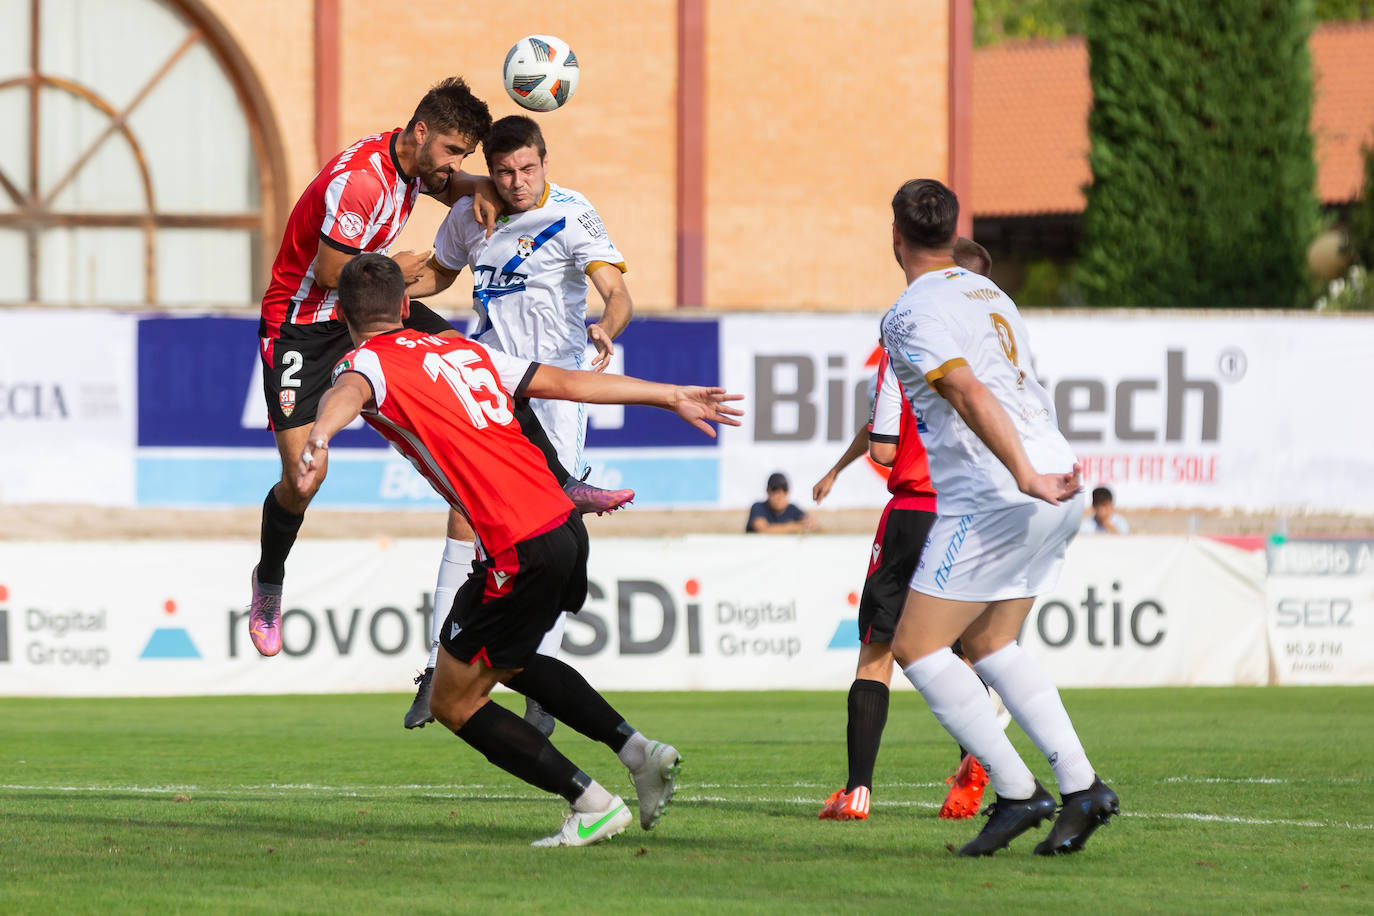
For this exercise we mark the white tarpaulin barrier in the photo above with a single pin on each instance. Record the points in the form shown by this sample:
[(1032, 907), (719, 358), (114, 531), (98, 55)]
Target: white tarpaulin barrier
[(67, 408), (1321, 612), (720, 612), (1170, 410)]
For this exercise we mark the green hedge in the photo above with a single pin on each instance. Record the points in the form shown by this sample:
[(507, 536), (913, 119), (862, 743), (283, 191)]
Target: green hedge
[(1202, 160)]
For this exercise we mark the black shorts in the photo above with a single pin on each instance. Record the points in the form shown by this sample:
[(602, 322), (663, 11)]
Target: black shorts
[(303, 360), (896, 550), (511, 600)]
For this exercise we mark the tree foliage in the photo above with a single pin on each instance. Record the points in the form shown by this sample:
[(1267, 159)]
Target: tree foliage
[(1360, 224), (1202, 158), (999, 20)]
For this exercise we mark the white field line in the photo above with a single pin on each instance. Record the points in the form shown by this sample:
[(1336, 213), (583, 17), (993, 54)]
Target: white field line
[(482, 792), (1262, 780)]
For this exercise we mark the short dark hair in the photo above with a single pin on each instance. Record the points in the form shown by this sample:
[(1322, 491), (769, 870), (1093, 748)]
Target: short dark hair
[(926, 213), (969, 255), (371, 288), (450, 106), (511, 133), (1101, 496), (776, 481)]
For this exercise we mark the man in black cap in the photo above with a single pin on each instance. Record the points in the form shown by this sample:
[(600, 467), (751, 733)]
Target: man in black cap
[(775, 515)]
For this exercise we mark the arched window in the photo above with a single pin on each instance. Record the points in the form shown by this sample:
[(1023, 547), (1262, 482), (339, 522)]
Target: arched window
[(139, 164)]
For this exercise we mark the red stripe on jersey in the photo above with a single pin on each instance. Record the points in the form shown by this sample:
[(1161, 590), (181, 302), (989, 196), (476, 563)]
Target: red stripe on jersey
[(358, 202), (467, 443), (910, 474)]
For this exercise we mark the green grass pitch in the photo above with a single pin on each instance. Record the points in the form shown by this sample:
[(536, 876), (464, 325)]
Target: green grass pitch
[(1255, 800)]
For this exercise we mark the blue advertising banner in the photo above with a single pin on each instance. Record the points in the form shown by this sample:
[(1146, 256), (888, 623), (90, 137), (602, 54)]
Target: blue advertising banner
[(203, 438)]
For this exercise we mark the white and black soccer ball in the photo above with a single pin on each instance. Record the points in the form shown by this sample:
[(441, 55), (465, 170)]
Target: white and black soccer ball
[(540, 72)]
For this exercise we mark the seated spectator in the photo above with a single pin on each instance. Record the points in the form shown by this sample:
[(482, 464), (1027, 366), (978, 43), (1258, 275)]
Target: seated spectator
[(1103, 518), (775, 515)]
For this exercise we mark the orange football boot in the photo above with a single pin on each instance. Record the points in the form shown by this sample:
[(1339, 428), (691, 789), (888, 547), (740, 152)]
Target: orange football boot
[(965, 790), (846, 806)]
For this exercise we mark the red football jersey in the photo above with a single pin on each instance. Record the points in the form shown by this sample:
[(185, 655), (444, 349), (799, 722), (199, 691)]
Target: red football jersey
[(358, 202), (894, 420), (445, 404)]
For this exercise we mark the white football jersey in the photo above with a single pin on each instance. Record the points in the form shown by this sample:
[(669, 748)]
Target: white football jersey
[(951, 317), (529, 280)]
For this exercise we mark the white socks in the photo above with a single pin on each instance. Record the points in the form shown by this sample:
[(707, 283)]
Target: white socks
[(1034, 703), (454, 570), (962, 706), (593, 798), (635, 751)]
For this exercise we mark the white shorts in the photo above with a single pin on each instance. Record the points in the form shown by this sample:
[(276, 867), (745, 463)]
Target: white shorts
[(565, 423), (998, 555)]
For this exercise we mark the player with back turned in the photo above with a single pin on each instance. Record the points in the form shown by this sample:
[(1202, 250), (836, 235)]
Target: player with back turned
[(1010, 502), (446, 404)]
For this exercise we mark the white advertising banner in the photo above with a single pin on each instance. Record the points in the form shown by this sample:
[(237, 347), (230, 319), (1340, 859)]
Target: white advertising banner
[(67, 408), (1321, 612), (717, 613), (805, 380), (1169, 410)]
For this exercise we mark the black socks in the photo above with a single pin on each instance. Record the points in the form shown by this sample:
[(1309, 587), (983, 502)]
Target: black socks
[(521, 750), (568, 697), (279, 529), (868, 702)]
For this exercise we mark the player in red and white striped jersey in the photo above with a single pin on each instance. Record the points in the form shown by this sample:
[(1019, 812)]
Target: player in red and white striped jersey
[(447, 405), (357, 203)]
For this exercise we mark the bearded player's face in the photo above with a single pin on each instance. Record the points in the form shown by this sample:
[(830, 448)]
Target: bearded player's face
[(439, 156)]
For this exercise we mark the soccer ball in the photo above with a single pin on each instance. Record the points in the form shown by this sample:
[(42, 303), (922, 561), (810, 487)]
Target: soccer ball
[(540, 72)]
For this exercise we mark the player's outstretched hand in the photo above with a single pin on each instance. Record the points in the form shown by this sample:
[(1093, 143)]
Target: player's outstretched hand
[(312, 465), (412, 263), (605, 349), (702, 406), (486, 205), (1054, 488), (822, 488)]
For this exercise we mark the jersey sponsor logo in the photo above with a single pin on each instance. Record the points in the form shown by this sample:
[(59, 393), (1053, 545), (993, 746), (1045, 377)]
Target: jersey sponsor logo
[(453, 630), (351, 225), (287, 401), (501, 578), (591, 224), (488, 282)]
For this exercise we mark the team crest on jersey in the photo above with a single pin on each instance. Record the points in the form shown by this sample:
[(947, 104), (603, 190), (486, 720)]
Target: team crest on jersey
[(287, 399), (351, 224), (343, 366), (524, 246)]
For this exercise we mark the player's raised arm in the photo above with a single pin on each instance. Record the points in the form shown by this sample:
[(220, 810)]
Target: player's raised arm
[(339, 407), (609, 281), (432, 278), (696, 405), (486, 205)]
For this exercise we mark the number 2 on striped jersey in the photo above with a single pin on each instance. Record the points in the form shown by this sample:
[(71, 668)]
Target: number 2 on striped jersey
[(457, 369)]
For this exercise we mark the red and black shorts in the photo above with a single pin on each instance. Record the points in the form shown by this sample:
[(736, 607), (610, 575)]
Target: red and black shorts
[(896, 549), (297, 366), (512, 599)]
